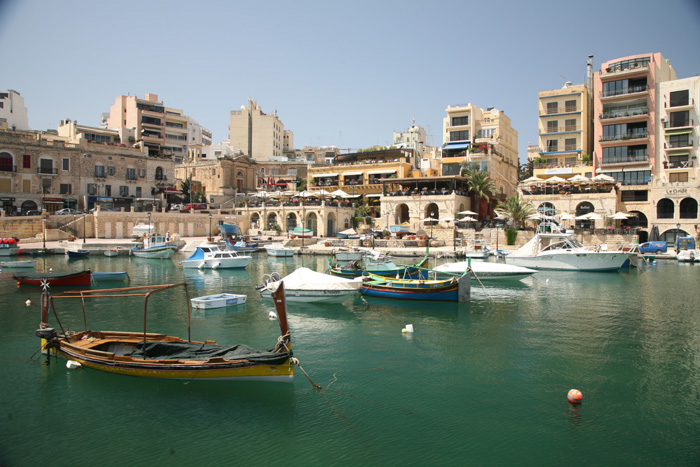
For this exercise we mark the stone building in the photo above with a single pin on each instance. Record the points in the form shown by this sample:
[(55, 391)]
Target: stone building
[(259, 135)]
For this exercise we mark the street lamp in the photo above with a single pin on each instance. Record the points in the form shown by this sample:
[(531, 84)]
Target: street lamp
[(210, 227), (44, 231)]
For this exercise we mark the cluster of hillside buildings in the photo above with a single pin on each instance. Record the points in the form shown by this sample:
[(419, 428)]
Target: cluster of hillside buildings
[(633, 120)]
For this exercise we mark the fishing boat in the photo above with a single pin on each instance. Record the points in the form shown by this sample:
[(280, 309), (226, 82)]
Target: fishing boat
[(229, 229), (55, 279), (155, 355), (155, 247), (301, 232), (77, 253), (111, 252), (100, 276), (685, 250), (555, 248), (380, 265), (344, 254), (305, 285), (278, 250), (454, 289), (221, 300), (210, 256), (142, 229), (350, 234), (484, 270), (18, 264), (242, 246), (9, 246)]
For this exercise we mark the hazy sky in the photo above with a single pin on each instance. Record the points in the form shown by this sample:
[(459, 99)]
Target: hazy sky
[(346, 74)]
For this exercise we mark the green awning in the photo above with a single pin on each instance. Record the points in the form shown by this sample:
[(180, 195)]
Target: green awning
[(670, 132)]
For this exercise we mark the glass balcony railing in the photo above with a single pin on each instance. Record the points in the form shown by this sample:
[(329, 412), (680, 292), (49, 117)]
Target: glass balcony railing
[(623, 91)]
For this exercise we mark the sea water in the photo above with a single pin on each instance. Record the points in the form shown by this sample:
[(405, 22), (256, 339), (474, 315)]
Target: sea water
[(478, 383)]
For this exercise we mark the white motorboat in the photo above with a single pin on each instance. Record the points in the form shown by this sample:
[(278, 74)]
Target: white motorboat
[(685, 250), (484, 270), (111, 252), (210, 256), (218, 301), (305, 285), (18, 264), (142, 229), (562, 251), (155, 247), (278, 250), (349, 254)]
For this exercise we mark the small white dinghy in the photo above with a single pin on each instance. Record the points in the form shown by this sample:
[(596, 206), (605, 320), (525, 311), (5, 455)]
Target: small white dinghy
[(221, 300)]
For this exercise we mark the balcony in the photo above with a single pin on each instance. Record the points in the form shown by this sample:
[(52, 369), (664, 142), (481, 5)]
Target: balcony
[(678, 145), (623, 92), (678, 124), (625, 160), (631, 135), (626, 113), (46, 171), (685, 105), (8, 168)]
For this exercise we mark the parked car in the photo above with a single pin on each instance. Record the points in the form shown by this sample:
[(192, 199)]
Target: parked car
[(33, 212), (65, 211), (653, 247), (195, 206)]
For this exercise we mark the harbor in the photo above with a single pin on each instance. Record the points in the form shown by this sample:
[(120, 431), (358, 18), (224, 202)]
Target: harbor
[(485, 380)]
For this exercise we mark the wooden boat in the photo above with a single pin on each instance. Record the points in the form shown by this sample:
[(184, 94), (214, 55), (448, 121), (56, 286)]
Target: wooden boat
[(221, 300), (155, 247), (111, 252), (77, 253), (18, 264), (348, 234), (158, 355), (109, 276), (210, 256), (300, 232), (454, 289), (279, 251), (379, 266), (55, 279)]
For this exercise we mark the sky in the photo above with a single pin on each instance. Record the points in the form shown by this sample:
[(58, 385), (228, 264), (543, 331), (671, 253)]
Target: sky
[(345, 74)]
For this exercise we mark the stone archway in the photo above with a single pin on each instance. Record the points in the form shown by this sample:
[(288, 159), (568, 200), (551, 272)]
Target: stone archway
[(312, 222), (402, 214), (255, 221), (432, 210), (331, 225), (271, 220), (291, 221)]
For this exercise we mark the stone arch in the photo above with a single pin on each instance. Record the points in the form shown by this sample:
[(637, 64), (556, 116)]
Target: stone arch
[(7, 162), (688, 208), (401, 213), (638, 219), (255, 221), (665, 209), (312, 222), (159, 173), (29, 206), (271, 219), (291, 221), (432, 210), (582, 208), (331, 225), (240, 181), (547, 209)]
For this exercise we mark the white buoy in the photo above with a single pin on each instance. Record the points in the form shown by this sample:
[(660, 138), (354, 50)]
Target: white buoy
[(28, 302), (409, 328), (272, 315), (72, 365)]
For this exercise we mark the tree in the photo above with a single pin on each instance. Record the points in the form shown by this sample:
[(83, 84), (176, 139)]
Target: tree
[(482, 187), (362, 214), (526, 170), (516, 210)]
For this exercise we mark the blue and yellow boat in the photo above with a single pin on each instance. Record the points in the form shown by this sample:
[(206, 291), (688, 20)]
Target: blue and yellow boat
[(381, 266), (454, 289)]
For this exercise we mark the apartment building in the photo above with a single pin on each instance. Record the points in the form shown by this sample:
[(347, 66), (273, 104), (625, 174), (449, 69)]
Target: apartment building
[(13, 113), (259, 135), (413, 137), (565, 139), (484, 141)]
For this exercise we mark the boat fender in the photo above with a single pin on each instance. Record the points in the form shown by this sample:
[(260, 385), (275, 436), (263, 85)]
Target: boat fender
[(73, 365)]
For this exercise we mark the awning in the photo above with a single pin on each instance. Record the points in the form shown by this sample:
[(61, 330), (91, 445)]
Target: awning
[(678, 132), (352, 173), (324, 175), (461, 145), (377, 172)]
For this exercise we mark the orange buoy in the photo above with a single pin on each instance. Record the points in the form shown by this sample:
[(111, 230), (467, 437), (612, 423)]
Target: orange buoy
[(575, 396)]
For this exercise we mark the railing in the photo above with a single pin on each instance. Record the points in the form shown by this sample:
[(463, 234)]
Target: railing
[(622, 160), (47, 170), (8, 168), (562, 166), (691, 101), (679, 124), (679, 144), (625, 113), (625, 136), (622, 92)]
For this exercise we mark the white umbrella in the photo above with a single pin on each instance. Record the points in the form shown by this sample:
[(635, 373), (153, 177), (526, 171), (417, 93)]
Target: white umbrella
[(620, 216), (532, 179), (535, 216), (466, 219), (322, 192), (579, 179), (264, 194), (467, 213), (429, 219), (340, 193), (306, 194), (555, 179), (581, 218), (593, 216), (447, 219), (566, 216), (603, 178)]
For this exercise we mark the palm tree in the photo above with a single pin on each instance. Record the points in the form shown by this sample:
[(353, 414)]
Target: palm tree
[(516, 209), (481, 186)]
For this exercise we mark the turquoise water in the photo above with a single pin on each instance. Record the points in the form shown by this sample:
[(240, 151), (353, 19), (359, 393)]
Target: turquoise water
[(480, 383)]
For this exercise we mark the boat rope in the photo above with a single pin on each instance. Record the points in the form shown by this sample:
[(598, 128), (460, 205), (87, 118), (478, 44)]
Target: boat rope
[(482, 286), (295, 361)]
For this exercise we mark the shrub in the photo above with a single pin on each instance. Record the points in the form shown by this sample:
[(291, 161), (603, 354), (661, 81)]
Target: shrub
[(511, 236)]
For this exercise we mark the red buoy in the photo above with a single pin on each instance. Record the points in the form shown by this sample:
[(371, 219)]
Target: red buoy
[(575, 396)]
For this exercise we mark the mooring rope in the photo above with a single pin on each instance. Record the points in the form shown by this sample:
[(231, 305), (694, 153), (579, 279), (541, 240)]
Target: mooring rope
[(482, 286), (295, 361)]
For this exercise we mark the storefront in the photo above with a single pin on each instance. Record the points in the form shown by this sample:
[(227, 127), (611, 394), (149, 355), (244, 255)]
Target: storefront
[(51, 205), (8, 206)]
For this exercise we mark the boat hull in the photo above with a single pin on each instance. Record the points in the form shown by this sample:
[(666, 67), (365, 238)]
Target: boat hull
[(414, 271), (164, 252), (82, 278), (224, 263), (447, 291), (314, 296), (584, 261), (218, 301), (281, 253), (109, 276), (18, 264)]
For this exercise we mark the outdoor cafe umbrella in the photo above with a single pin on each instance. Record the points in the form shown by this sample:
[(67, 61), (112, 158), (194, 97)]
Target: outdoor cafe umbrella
[(555, 179), (340, 193), (532, 179), (603, 178), (322, 192), (467, 213), (579, 179), (466, 219), (620, 216), (565, 216), (447, 219), (593, 216)]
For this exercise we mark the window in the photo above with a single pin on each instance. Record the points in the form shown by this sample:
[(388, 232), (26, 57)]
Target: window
[(552, 127), (65, 188), (123, 191), (131, 173), (570, 124), (624, 154), (99, 171), (570, 106), (677, 119), (552, 145), (108, 190), (688, 208), (677, 161), (678, 177), (664, 209), (27, 161), (678, 141), (632, 177), (66, 164), (679, 98), (111, 170), (570, 144), (552, 107), (92, 189), (459, 135), (456, 121), (142, 173), (138, 191)]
